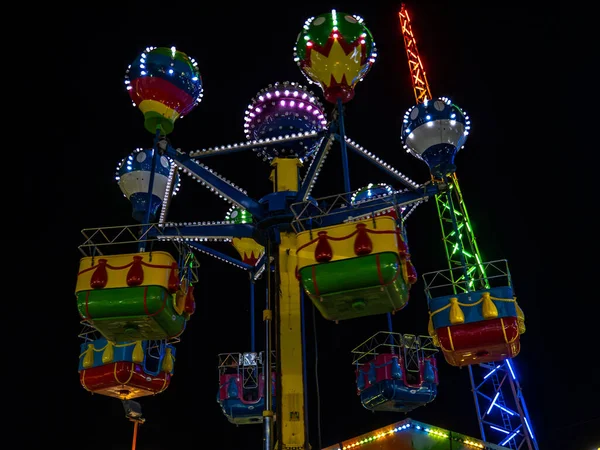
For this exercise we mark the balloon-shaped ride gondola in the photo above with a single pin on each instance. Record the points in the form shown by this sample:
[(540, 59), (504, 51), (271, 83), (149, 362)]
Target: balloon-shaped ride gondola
[(126, 370), (133, 175), (165, 84), (354, 269), (241, 394), (396, 372), (285, 110), (472, 325), (335, 50), (249, 250), (364, 196), (134, 296)]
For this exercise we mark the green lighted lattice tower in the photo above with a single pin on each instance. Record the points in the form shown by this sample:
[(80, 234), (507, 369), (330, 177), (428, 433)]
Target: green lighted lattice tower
[(473, 313), (458, 237)]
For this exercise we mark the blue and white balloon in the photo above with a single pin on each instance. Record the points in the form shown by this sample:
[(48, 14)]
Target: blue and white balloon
[(370, 192), (133, 176), (434, 131)]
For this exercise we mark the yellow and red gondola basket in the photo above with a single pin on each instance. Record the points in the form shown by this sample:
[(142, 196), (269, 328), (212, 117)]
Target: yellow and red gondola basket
[(119, 369), (354, 269), (477, 327), (133, 296)]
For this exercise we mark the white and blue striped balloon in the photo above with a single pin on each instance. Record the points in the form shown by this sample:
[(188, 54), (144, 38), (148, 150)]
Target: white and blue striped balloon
[(133, 175), (434, 131)]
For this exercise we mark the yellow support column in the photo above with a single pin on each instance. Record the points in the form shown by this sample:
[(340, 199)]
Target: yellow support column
[(290, 417), (290, 348)]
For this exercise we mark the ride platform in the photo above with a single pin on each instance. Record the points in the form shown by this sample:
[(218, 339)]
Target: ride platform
[(411, 434)]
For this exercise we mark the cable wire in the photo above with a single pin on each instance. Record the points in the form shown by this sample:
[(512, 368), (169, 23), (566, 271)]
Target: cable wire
[(317, 377)]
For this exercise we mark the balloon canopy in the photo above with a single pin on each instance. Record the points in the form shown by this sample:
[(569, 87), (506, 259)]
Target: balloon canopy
[(434, 131), (374, 191), (285, 110), (133, 176), (238, 215), (165, 84), (335, 50), (249, 250), (370, 192)]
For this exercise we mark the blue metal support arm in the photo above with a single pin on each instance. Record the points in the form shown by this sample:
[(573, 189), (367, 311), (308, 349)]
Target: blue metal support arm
[(375, 160), (215, 231), (215, 182), (235, 148), (315, 166), (342, 140), (221, 256), (339, 215), (142, 245)]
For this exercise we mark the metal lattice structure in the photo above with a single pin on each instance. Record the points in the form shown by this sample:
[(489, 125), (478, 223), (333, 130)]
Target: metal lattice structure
[(499, 402)]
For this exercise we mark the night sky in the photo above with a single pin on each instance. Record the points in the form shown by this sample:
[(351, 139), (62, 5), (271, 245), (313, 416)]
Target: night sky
[(483, 57)]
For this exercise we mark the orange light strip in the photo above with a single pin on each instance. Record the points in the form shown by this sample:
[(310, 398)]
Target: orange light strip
[(415, 65)]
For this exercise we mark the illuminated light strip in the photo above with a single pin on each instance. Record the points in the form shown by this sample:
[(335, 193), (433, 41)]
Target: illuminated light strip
[(318, 170), (292, 92), (195, 239), (512, 413), (170, 180), (195, 224), (182, 238), (260, 271), (499, 429), (209, 186), (433, 432), (412, 209), (219, 258), (246, 145), (529, 428), (493, 402), (394, 172), (509, 438), (491, 372), (221, 177), (388, 209), (511, 369)]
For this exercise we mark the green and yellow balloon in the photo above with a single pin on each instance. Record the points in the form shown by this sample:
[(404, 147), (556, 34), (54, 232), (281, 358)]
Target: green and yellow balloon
[(335, 50)]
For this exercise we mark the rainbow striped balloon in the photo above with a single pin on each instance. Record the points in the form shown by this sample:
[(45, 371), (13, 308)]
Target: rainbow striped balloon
[(165, 84)]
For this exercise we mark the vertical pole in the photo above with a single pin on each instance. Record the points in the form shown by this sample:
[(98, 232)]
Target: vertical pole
[(142, 244), (267, 318), (345, 168), (390, 329), (474, 390), (522, 409), (135, 429), (304, 377), (252, 337)]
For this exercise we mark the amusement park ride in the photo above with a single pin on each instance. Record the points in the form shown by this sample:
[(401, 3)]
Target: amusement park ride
[(347, 253)]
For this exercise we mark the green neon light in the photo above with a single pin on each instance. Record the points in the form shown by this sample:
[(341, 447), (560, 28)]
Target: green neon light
[(455, 239)]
